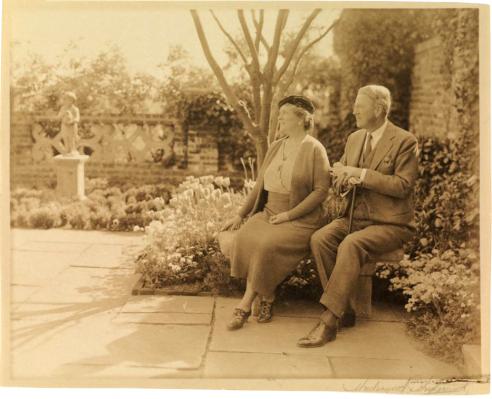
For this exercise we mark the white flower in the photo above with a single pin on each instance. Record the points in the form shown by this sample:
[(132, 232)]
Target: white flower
[(219, 181), (249, 184), (206, 179), (216, 193), (175, 268), (173, 202)]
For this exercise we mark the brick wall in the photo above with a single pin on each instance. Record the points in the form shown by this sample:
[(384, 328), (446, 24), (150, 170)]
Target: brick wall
[(31, 154), (431, 106)]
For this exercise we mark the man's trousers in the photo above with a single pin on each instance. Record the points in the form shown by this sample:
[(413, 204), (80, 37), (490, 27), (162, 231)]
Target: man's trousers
[(342, 255)]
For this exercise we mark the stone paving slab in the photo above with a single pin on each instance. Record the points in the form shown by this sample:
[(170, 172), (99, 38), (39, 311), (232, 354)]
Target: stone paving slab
[(169, 304), (20, 293), (97, 341), (266, 365), (165, 318), (37, 267), (49, 246), (105, 256), (81, 285), (21, 236), (356, 367), (123, 370), (32, 323), (41, 312), (369, 339)]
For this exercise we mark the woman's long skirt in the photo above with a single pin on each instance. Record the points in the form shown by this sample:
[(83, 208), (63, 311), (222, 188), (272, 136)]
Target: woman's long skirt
[(267, 253)]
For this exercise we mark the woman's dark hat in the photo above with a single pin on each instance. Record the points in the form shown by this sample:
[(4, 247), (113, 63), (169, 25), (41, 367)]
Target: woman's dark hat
[(299, 101)]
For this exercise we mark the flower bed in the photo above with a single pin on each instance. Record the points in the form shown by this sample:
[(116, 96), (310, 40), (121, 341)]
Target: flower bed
[(106, 208), (182, 242)]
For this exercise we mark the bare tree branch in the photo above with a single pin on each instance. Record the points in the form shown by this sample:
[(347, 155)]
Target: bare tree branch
[(295, 44), (284, 86), (293, 72), (259, 30), (260, 35), (238, 49), (273, 53), (269, 73), (235, 102), (249, 41)]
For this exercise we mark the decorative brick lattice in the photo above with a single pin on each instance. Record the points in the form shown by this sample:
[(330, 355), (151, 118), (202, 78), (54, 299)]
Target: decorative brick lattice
[(141, 148), (114, 140)]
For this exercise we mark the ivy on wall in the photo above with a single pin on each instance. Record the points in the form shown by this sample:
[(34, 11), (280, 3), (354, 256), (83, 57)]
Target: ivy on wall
[(211, 109), (458, 30)]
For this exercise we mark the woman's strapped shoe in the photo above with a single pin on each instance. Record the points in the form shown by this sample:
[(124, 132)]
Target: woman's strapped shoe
[(265, 312), (239, 317)]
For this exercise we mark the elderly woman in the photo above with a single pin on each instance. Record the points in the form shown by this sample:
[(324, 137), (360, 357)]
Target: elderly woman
[(284, 209)]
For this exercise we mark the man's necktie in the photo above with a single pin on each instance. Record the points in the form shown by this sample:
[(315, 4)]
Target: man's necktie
[(368, 149)]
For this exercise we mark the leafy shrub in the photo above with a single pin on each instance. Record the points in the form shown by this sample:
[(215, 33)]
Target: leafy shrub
[(45, 217), (447, 210), (104, 208), (95, 184), (303, 282), (76, 215), (443, 290)]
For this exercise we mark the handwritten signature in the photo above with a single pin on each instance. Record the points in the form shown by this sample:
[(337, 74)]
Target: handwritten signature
[(411, 386)]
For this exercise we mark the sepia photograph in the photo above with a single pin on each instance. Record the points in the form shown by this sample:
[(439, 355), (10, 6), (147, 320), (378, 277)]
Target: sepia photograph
[(246, 196)]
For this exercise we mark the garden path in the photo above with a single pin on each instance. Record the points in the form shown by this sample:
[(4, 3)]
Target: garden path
[(73, 317)]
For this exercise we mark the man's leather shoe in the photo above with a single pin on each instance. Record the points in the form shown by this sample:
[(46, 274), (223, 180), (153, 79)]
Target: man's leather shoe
[(319, 336), (348, 319)]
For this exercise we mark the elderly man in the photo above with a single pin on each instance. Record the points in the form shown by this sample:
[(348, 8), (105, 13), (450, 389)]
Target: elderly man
[(382, 160)]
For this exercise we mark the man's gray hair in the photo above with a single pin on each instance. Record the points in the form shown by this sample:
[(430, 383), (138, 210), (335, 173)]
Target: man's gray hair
[(380, 95)]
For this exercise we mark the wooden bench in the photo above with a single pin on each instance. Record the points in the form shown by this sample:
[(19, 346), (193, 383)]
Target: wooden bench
[(361, 299)]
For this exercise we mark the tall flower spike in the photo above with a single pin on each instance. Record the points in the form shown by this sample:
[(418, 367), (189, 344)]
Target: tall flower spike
[(245, 170)]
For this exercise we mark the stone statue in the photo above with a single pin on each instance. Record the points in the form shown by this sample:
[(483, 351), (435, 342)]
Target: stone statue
[(70, 118)]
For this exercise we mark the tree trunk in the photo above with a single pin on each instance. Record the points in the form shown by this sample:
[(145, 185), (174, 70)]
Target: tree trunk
[(261, 146)]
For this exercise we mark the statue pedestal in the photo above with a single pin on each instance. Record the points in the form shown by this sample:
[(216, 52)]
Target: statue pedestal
[(70, 175)]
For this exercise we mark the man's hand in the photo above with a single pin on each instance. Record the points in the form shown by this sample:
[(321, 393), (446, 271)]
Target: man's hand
[(279, 218), (342, 174), (348, 171)]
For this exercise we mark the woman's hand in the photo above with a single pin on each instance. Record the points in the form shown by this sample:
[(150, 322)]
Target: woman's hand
[(279, 218), (232, 224)]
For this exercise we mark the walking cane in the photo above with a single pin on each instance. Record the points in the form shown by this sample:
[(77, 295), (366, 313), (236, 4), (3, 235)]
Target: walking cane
[(321, 270), (351, 214)]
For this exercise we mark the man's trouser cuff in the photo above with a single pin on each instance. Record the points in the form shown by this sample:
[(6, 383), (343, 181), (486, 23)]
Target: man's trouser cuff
[(334, 304)]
